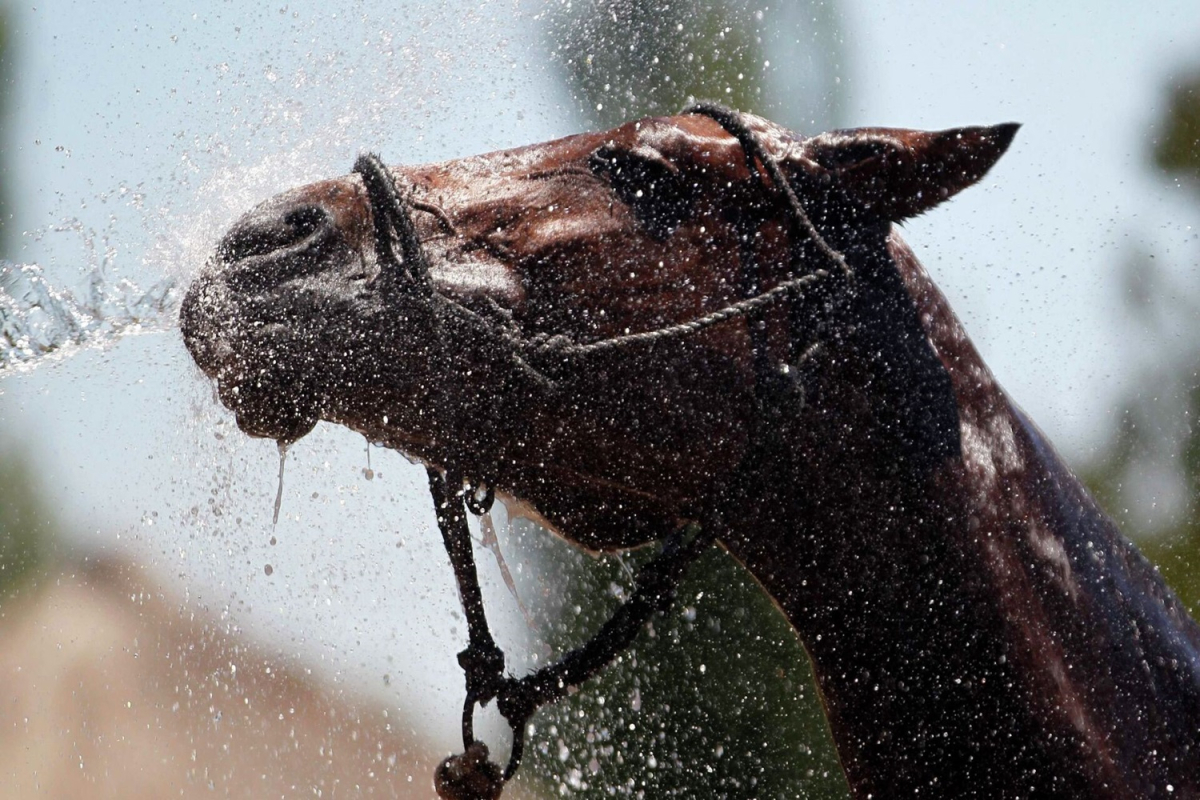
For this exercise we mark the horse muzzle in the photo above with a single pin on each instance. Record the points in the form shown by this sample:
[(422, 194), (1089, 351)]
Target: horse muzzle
[(278, 289), (254, 364)]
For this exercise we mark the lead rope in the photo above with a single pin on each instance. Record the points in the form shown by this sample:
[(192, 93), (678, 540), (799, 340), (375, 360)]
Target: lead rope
[(472, 775)]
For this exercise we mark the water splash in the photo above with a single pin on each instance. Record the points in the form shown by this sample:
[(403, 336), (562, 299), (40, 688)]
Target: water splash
[(39, 320)]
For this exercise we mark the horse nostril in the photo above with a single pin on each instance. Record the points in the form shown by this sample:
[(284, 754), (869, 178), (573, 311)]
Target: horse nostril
[(267, 230)]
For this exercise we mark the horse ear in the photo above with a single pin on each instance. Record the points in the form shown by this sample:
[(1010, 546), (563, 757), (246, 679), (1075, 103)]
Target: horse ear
[(898, 174)]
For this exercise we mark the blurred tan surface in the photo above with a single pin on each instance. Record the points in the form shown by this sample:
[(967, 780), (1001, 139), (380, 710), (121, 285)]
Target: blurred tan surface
[(110, 688)]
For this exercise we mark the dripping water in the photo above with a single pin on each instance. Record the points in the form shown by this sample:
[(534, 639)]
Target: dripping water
[(367, 472), (283, 448)]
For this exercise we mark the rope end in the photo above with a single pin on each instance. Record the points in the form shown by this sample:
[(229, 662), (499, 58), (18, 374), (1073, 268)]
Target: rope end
[(470, 776)]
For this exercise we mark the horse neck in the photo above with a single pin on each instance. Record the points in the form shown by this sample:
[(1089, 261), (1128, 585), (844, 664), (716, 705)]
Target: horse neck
[(984, 625)]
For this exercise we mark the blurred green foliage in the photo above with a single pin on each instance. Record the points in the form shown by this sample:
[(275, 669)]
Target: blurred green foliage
[(26, 527), (621, 60), (1157, 438), (626, 60), (714, 699), (1177, 150), (6, 92)]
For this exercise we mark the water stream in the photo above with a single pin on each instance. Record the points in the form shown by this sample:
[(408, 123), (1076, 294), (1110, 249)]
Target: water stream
[(39, 320)]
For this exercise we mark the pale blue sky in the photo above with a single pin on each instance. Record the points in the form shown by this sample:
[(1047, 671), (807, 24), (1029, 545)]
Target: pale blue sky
[(201, 110)]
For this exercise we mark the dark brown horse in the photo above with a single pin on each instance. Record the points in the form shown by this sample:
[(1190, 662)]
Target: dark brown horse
[(977, 625)]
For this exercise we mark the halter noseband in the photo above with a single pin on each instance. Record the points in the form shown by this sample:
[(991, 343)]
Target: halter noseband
[(389, 214), (407, 273)]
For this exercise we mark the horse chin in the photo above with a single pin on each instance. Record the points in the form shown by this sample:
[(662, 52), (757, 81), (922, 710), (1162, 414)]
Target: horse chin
[(272, 393), (268, 411)]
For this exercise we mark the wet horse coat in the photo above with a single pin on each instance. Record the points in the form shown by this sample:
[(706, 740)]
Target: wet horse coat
[(977, 626)]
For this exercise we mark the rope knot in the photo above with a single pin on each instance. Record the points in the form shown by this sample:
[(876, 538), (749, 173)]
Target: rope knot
[(483, 665), (516, 703)]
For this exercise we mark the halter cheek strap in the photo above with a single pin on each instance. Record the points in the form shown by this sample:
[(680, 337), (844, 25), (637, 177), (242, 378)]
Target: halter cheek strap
[(407, 273)]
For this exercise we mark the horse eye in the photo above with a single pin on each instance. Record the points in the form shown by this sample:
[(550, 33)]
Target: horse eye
[(651, 186)]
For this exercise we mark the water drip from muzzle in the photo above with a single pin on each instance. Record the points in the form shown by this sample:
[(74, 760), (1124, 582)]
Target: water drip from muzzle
[(283, 448)]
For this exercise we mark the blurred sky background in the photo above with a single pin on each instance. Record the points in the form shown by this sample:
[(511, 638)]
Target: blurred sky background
[(143, 129)]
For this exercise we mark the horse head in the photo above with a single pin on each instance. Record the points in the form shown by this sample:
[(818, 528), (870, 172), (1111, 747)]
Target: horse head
[(630, 231)]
